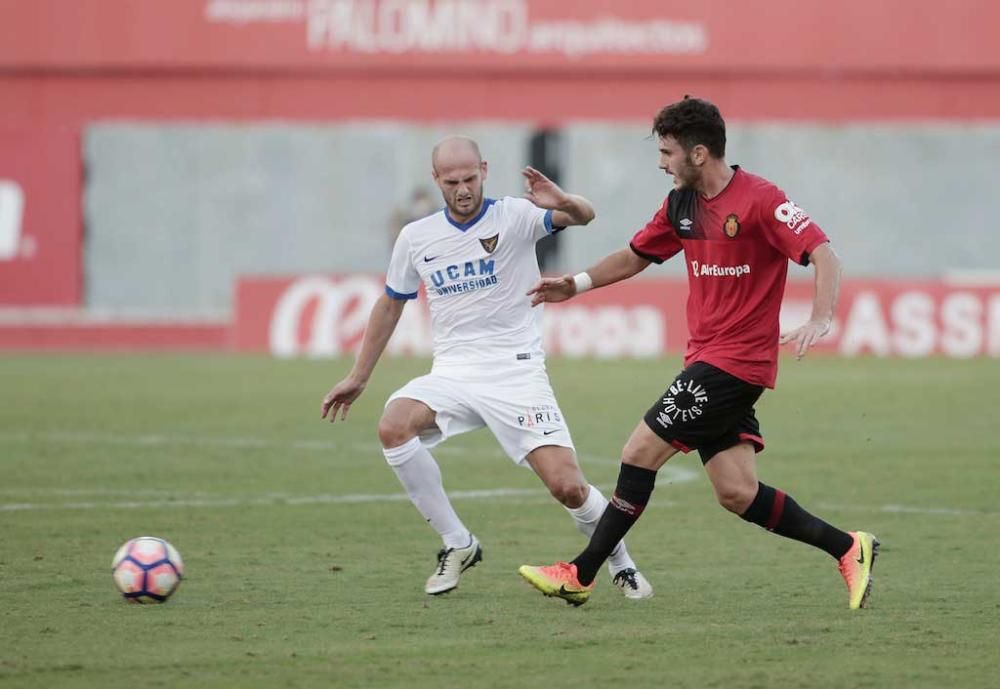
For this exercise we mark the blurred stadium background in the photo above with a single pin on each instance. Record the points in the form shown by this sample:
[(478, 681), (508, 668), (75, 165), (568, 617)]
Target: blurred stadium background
[(170, 171), (185, 181)]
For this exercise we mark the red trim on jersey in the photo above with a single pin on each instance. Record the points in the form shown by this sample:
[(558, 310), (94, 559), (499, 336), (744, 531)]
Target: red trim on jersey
[(777, 508), (758, 442)]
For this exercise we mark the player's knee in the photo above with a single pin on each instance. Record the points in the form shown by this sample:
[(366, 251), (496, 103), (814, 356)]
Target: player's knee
[(392, 433), (570, 493), (736, 497), (632, 454)]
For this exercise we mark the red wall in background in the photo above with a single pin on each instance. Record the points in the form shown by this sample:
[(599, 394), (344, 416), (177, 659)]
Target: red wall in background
[(70, 62), (779, 36), (40, 226), (73, 100)]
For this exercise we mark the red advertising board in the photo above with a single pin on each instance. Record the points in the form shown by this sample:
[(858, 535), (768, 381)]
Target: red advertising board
[(40, 226), (470, 35), (319, 316)]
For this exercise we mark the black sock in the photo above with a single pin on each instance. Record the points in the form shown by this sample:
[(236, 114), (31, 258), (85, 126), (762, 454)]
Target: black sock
[(778, 512), (635, 485)]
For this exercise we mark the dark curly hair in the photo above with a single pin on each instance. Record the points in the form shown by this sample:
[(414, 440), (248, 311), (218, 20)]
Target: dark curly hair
[(693, 121)]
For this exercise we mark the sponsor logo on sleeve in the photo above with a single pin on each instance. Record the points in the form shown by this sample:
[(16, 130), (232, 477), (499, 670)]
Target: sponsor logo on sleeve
[(796, 219)]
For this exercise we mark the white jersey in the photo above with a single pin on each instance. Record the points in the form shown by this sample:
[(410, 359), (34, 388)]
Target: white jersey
[(476, 275)]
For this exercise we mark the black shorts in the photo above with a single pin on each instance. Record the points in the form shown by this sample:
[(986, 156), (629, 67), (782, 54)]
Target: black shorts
[(708, 410)]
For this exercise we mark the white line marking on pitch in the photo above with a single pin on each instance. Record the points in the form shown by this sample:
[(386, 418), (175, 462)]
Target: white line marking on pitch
[(669, 473), (161, 439), (166, 439), (672, 474), (909, 509), (267, 499), (278, 499)]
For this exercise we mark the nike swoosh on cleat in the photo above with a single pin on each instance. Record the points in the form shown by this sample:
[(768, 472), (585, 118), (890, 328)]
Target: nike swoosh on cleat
[(564, 592), (861, 553)]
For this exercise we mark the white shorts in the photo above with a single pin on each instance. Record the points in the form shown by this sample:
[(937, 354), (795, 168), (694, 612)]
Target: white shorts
[(516, 403)]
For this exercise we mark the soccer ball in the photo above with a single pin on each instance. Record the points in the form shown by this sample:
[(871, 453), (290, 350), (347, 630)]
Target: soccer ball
[(147, 570)]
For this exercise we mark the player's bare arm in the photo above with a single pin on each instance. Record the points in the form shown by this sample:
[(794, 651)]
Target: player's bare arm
[(827, 265), (615, 267), (567, 209), (381, 324)]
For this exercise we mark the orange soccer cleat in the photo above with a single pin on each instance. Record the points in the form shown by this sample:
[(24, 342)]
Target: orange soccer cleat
[(856, 568), (558, 580)]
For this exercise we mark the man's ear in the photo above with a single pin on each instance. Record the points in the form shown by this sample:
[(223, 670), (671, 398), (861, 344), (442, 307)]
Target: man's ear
[(699, 154)]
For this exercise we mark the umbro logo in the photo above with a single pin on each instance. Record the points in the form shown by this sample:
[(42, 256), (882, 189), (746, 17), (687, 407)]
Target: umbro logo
[(624, 505), (686, 224)]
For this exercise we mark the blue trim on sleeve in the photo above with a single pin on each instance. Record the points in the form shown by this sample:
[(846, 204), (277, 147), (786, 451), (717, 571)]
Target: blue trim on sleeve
[(548, 222), (463, 226), (399, 295)]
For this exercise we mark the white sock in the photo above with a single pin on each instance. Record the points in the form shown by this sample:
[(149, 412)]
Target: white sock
[(586, 517), (421, 477)]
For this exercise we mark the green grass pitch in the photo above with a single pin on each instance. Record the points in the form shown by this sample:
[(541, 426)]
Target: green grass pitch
[(305, 563)]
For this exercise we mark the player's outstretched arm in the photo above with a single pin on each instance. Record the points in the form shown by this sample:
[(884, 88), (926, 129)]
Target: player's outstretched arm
[(612, 268), (567, 209), (828, 268), (381, 324)]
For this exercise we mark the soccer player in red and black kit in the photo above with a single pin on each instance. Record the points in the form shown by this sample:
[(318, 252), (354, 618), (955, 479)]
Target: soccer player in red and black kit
[(738, 232)]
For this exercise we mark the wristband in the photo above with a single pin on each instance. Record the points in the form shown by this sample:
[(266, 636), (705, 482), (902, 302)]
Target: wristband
[(582, 282)]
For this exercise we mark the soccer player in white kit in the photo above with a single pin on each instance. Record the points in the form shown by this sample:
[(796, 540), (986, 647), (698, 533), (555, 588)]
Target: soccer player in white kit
[(476, 259)]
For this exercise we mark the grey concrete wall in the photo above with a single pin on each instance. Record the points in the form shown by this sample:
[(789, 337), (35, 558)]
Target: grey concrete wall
[(174, 213), (914, 200)]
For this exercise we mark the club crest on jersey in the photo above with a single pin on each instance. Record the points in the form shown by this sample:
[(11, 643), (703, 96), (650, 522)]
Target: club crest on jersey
[(732, 225), (490, 243)]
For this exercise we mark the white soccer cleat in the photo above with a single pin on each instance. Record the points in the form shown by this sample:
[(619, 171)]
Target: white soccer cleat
[(451, 563), (633, 584)]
